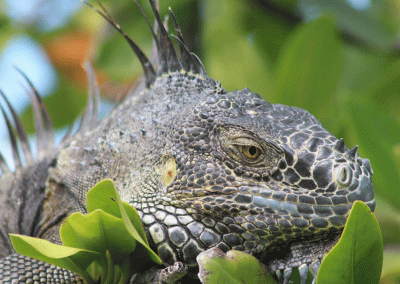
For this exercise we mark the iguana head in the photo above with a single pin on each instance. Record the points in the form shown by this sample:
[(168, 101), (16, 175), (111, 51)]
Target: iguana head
[(265, 178), (236, 172)]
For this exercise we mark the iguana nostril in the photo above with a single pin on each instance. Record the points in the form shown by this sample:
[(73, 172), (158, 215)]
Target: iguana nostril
[(344, 175)]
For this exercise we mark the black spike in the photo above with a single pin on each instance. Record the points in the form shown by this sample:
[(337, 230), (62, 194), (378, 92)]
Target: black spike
[(90, 113), (148, 69), (187, 61), (172, 62), (177, 27), (155, 38), (39, 129), (158, 53), (155, 46), (339, 146), (161, 49), (15, 153), (199, 64), (67, 134), (20, 131), (44, 135), (352, 152)]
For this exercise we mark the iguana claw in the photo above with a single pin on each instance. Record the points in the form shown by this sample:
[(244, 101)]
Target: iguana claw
[(314, 267), (303, 272), (286, 275), (168, 275)]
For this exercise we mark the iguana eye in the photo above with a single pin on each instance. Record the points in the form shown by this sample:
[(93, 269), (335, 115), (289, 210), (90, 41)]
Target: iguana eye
[(250, 152), (247, 149)]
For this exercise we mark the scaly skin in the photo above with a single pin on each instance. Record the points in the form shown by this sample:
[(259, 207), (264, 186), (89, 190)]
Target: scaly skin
[(205, 168)]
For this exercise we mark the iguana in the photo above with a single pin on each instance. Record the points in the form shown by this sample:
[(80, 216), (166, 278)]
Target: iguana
[(204, 167)]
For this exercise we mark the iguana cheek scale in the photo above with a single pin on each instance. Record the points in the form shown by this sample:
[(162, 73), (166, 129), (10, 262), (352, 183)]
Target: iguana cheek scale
[(204, 167)]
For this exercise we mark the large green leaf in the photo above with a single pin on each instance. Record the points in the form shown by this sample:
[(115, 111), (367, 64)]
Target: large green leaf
[(73, 259), (357, 257), (98, 231), (233, 267), (308, 71)]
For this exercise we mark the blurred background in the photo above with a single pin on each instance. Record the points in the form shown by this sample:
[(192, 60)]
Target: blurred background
[(339, 59)]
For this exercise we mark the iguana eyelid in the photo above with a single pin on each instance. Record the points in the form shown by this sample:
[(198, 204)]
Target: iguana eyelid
[(242, 141)]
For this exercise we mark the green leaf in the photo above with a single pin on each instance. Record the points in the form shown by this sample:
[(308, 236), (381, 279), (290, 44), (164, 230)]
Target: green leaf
[(98, 231), (104, 196), (357, 257), (308, 71), (233, 267), (135, 220), (73, 259)]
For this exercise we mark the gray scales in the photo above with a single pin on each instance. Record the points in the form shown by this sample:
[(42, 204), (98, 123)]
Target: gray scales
[(204, 167)]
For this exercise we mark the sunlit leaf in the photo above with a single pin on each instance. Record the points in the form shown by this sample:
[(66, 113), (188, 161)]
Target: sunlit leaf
[(357, 257)]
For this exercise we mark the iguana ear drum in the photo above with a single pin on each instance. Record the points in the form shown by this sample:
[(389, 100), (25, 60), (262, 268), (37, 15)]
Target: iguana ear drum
[(169, 172)]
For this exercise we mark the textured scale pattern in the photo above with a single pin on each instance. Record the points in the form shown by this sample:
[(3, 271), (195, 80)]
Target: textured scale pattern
[(204, 167), (20, 269)]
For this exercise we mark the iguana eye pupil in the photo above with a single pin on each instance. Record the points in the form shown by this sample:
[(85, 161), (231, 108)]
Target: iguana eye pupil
[(251, 152)]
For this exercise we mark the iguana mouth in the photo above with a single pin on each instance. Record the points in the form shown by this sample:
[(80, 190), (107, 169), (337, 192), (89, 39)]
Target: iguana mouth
[(304, 253)]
